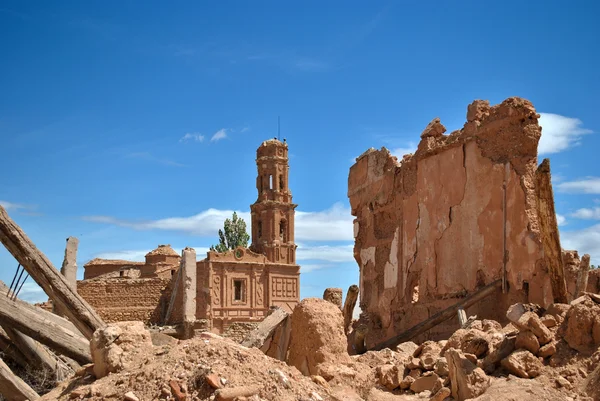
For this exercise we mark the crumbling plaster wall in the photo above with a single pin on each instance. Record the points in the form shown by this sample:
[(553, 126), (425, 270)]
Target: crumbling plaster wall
[(435, 226)]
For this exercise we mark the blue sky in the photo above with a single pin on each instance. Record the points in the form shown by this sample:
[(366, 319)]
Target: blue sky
[(133, 124)]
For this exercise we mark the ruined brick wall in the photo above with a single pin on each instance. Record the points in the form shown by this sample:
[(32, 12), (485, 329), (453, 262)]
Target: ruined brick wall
[(124, 299), (594, 281), (434, 227), (237, 331)]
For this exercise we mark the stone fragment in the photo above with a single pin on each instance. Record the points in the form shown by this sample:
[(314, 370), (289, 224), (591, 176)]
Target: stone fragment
[(233, 393), (549, 321), (319, 380), (318, 336), (467, 380), (523, 364), (521, 317), (434, 129), (425, 382), (315, 396), (527, 340), (407, 348), (407, 382), (130, 396), (501, 350), (583, 326), (118, 346), (478, 110), (490, 325), (547, 350), (441, 367), (471, 357), (213, 380), (389, 376), (558, 311), (441, 394), (282, 378), (333, 295), (176, 391), (564, 383), (472, 341), (414, 363), (428, 361)]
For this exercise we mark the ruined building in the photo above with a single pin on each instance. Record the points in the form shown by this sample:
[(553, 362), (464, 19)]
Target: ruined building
[(237, 286), (465, 210)]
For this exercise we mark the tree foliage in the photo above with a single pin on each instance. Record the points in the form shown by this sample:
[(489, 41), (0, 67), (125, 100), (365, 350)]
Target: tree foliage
[(234, 234)]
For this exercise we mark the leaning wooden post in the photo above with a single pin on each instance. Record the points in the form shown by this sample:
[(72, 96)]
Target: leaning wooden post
[(83, 316), (549, 232), (440, 316), (13, 388), (349, 304)]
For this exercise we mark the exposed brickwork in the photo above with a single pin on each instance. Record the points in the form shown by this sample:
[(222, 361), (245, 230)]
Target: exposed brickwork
[(121, 299)]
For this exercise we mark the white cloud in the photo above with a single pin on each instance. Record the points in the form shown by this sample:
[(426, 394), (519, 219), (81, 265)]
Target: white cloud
[(586, 240), (560, 220), (587, 185), (411, 147), (587, 213), (31, 292), (206, 223), (192, 136), (559, 133), (333, 224), (324, 253), (329, 253), (245, 129), (312, 267), (139, 255), (220, 134), (11, 206)]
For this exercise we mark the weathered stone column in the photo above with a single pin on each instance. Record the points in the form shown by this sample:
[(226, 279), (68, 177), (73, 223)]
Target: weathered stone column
[(188, 275), (69, 266), (333, 295), (582, 276)]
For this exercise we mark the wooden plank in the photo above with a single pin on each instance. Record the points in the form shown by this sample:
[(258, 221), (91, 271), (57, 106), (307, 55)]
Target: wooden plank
[(549, 232), (12, 387), (265, 329), (349, 304), (61, 321), (11, 350), (36, 326), (462, 316), (35, 353), (45, 274), (440, 317)]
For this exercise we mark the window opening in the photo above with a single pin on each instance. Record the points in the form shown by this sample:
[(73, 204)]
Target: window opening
[(238, 290)]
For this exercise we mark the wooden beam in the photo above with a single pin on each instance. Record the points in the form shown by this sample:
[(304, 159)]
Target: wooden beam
[(349, 304), (549, 232), (45, 274), (11, 350), (440, 317), (35, 353), (13, 388), (34, 324), (61, 321)]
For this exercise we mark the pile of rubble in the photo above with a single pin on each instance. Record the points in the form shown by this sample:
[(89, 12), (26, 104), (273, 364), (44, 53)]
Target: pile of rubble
[(551, 354)]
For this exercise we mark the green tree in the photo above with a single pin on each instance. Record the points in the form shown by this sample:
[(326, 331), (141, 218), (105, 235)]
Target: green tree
[(233, 235)]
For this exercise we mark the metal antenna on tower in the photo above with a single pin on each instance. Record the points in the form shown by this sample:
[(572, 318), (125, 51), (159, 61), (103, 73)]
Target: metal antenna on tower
[(278, 129)]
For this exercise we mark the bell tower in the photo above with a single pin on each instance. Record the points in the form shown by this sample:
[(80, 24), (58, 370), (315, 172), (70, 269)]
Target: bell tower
[(273, 212)]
